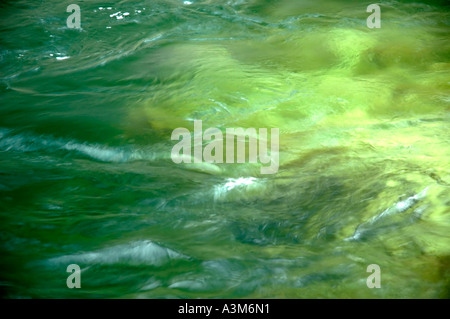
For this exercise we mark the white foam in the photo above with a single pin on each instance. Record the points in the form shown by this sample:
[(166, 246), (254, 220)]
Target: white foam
[(394, 209), (401, 206), (190, 285), (144, 252), (28, 143), (232, 183)]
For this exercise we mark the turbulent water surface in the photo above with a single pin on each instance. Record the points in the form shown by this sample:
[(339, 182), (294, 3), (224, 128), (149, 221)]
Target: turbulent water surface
[(86, 175)]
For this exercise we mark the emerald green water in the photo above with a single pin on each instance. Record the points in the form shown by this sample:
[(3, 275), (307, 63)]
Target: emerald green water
[(86, 175)]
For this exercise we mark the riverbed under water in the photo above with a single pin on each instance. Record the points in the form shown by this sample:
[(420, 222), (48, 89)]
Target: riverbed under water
[(86, 175)]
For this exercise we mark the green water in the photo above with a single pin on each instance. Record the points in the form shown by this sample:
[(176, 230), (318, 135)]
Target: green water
[(86, 175)]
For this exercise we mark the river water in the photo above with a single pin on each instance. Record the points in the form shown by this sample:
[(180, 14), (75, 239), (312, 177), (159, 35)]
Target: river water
[(86, 175)]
